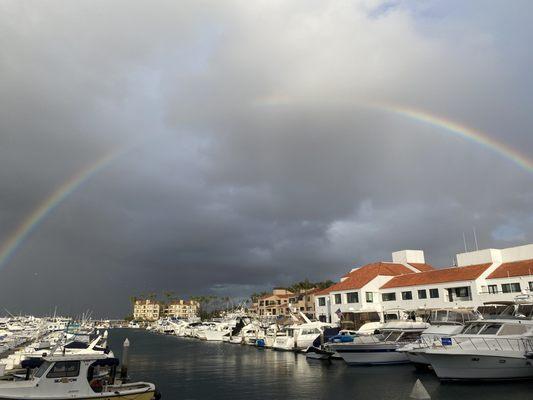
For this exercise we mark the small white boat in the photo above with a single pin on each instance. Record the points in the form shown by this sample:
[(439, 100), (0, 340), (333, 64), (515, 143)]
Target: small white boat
[(62, 377)]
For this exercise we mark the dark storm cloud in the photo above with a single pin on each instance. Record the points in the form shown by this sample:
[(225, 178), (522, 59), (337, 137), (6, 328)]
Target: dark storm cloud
[(259, 156)]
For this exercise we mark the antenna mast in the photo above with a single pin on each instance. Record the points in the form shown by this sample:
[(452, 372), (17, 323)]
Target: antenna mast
[(475, 237)]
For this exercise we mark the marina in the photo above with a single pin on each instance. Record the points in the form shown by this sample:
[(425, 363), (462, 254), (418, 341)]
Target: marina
[(196, 369), (451, 353)]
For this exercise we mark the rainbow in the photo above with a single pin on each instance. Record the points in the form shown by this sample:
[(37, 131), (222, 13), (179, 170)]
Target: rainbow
[(21, 233), (462, 131), (445, 124)]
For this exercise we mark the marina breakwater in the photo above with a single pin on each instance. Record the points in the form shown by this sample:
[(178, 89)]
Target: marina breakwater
[(185, 368)]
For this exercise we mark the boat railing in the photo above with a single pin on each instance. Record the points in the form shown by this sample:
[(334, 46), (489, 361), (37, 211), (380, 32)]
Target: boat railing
[(495, 344)]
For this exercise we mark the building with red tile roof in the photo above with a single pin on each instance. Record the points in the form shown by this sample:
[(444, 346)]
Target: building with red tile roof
[(409, 283)]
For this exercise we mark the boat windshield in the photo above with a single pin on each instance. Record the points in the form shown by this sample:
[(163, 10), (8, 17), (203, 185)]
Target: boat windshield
[(472, 329), (482, 329), (490, 329), (391, 337), (524, 311), (452, 316), (410, 336), (42, 369)]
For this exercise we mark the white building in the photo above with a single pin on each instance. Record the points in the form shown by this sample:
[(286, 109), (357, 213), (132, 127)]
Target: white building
[(407, 283)]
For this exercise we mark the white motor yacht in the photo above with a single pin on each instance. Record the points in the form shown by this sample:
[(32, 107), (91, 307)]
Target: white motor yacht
[(380, 348), (492, 349), (444, 323), (62, 377)]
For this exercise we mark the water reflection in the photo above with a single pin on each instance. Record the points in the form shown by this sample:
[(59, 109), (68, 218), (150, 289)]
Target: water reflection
[(190, 369)]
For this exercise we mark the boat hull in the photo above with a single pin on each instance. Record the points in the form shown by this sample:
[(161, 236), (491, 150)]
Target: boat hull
[(453, 366), (417, 357), (215, 336), (315, 353), (363, 354), (138, 396)]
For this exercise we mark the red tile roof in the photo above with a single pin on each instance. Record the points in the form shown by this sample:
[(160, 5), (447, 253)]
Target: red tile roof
[(516, 268), (422, 267), (452, 274), (322, 292), (361, 276)]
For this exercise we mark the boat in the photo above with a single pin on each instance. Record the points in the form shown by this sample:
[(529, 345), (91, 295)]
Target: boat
[(444, 323), (301, 336), (379, 348), (62, 377), (499, 348)]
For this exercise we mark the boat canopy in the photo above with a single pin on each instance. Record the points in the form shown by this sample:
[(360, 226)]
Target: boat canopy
[(106, 362)]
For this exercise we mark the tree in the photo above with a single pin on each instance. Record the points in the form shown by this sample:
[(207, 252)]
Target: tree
[(324, 284)]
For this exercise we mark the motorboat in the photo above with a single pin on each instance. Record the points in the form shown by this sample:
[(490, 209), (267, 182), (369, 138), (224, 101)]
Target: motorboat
[(299, 337), (499, 348), (380, 348), (62, 377), (217, 332), (444, 323), (317, 351)]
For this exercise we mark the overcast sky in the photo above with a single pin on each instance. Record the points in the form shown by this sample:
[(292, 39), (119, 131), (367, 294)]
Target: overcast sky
[(257, 148)]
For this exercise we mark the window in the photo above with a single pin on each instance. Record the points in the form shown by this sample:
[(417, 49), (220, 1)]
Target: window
[(42, 369), (492, 289), (513, 329), (407, 295), (262, 303), (472, 329), (422, 294), (434, 293), (531, 286), (388, 296), (352, 297), (338, 298), (463, 291), (370, 297), (491, 329), (62, 369), (510, 287), (321, 301)]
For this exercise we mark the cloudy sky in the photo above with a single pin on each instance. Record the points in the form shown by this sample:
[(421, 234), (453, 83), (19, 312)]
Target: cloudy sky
[(253, 143)]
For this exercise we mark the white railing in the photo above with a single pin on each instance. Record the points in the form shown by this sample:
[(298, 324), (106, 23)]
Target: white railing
[(493, 344)]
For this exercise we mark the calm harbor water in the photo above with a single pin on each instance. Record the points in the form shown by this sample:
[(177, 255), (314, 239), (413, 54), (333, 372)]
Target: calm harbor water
[(191, 369)]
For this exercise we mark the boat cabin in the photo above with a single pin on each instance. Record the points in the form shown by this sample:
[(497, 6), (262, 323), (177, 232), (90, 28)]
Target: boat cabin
[(79, 376)]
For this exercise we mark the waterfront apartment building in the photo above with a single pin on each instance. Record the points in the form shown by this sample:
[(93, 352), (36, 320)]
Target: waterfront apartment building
[(146, 310), (181, 309), (369, 292), (283, 302), (152, 310)]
